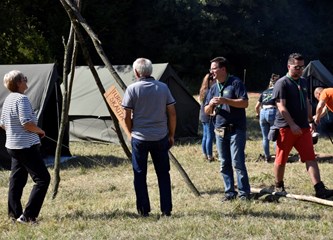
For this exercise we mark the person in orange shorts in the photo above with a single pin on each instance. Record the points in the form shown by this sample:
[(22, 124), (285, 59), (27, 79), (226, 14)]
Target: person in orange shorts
[(295, 123), (325, 101)]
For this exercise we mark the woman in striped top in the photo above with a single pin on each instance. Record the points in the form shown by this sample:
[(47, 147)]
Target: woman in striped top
[(22, 142)]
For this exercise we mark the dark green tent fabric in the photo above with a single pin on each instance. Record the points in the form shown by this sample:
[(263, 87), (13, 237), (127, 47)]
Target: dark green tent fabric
[(90, 119), (319, 76), (45, 96)]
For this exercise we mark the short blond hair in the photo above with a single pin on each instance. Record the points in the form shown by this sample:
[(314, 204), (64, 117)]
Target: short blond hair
[(11, 79)]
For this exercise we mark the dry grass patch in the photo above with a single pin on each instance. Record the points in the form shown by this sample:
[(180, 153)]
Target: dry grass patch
[(96, 199)]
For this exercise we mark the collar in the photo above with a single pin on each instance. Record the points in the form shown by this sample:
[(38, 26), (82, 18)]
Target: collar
[(146, 78)]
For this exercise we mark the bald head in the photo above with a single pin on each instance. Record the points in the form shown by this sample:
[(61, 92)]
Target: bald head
[(317, 92)]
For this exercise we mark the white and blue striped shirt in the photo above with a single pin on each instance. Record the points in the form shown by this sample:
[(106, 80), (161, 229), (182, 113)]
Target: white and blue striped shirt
[(16, 111)]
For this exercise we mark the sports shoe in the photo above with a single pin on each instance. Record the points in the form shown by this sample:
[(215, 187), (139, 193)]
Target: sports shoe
[(24, 220), (228, 198), (322, 191), (279, 188)]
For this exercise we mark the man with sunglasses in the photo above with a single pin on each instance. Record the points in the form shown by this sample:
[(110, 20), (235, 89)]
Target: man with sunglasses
[(295, 123)]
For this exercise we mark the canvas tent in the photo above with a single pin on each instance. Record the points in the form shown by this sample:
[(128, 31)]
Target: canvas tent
[(319, 76), (90, 119), (45, 96)]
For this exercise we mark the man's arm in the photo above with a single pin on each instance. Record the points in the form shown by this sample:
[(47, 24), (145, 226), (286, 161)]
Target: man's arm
[(172, 119), (128, 119), (281, 105), (321, 110), (257, 108)]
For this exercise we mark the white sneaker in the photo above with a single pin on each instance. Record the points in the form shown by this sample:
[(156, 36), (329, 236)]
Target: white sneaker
[(22, 219)]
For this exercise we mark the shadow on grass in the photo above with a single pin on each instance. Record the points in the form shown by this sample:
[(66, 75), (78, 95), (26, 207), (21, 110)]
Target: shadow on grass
[(273, 215), (213, 192), (93, 161), (116, 214)]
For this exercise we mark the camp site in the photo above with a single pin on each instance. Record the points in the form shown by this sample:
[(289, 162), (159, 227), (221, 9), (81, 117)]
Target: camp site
[(88, 55)]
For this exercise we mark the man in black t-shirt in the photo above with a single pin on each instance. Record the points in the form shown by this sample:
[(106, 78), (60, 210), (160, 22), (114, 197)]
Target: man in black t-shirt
[(292, 119)]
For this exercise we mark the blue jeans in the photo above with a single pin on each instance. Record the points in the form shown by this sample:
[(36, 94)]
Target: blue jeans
[(208, 136), (231, 153), (159, 151), (267, 117)]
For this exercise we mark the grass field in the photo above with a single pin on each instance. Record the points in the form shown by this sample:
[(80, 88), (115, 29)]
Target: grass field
[(96, 199)]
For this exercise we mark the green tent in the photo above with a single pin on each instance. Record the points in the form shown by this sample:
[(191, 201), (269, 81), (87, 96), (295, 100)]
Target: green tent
[(45, 97), (90, 119), (319, 76)]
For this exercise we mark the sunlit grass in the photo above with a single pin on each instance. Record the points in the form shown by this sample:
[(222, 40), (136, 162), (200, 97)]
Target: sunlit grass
[(96, 199)]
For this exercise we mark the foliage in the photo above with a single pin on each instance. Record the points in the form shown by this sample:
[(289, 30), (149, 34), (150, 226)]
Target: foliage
[(256, 36), (21, 39)]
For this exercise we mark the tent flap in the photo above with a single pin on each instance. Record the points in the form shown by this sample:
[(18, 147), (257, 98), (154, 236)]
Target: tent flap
[(88, 111)]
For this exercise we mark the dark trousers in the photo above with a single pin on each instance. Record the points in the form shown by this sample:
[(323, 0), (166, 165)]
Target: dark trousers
[(27, 161), (159, 153)]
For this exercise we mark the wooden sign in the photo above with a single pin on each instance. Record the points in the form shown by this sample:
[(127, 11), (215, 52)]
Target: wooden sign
[(114, 100)]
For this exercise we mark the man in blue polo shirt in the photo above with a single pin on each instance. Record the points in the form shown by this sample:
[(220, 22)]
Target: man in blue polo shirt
[(227, 99)]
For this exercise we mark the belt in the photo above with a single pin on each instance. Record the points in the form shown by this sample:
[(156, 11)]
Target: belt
[(268, 106), (229, 128), (225, 129)]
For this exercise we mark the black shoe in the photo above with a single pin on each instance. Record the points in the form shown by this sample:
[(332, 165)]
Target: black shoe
[(244, 198), (143, 213), (268, 159), (228, 198), (166, 214), (322, 191)]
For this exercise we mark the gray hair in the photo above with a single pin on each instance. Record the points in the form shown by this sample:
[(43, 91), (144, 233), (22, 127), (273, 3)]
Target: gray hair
[(11, 79), (143, 67)]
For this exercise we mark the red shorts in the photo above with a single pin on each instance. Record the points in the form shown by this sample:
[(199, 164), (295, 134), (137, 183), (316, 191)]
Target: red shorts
[(287, 140)]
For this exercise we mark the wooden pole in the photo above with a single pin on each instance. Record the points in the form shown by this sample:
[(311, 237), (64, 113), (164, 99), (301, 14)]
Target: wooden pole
[(293, 196), (184, 175)]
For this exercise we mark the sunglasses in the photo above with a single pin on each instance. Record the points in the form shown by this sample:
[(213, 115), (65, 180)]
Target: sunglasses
[(299, 67), (25, 79)]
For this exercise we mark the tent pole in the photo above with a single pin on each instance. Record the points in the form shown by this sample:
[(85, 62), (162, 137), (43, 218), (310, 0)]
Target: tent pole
[(184, 175)]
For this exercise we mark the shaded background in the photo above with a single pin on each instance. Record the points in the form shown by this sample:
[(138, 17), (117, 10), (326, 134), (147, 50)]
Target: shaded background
[(254, 35)]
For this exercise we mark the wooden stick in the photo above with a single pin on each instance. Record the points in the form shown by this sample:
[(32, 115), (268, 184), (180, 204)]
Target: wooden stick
[(294, 196)]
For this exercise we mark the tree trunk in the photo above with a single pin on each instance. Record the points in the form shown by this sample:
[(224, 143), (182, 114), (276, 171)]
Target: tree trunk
[(76, 18), (68, 48)]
